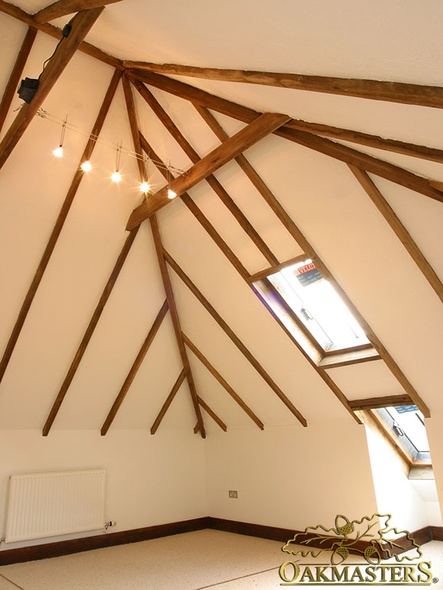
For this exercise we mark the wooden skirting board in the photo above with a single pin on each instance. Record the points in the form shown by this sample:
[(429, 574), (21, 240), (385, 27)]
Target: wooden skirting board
[(57, 549)]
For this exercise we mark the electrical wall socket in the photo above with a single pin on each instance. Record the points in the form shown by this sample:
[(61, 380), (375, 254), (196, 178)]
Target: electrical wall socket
[(233, 493)]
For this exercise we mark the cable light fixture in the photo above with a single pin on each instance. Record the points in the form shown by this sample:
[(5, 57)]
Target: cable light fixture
[(58, 152), (86, 166), (171, 193), (116, 176), (145, 187)]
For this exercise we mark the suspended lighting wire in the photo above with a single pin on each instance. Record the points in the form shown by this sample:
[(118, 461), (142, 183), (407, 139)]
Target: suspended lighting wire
[(86, 166)]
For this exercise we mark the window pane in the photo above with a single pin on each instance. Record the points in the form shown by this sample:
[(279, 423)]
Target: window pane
[(411, 426), (318, 306)]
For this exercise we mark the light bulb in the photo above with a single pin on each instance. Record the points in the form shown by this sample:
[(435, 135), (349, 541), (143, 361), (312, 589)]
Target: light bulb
[(116, 176), (86, 166), (171, 194), (144, 187), (58, 152)]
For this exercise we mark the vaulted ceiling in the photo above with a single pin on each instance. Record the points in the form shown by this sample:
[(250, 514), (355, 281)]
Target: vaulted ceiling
[(288, 128)]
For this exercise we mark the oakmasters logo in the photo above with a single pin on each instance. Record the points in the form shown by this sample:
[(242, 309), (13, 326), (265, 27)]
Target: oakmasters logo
[(358, 552)]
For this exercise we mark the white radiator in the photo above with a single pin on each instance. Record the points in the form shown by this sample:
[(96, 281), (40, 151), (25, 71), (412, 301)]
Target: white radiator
[(49, 504)]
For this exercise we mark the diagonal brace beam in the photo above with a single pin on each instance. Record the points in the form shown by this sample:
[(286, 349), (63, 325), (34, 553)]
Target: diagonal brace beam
[(135, 367), (81, 25), (64, 7), (235, 145)]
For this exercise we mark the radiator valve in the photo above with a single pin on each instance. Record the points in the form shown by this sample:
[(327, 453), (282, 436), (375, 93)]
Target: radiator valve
[(109, 524)]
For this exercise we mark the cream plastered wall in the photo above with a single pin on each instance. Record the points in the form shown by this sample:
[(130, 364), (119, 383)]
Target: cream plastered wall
[(291, 477), (151, 480)]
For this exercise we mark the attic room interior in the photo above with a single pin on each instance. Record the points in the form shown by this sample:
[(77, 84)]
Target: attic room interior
[(164, 168)]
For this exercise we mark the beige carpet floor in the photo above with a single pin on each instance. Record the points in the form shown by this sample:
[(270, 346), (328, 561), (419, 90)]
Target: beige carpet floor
[(200, 560)]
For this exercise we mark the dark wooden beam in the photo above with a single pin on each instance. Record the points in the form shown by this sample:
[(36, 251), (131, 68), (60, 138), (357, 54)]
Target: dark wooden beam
[(168, 401), (198, 214), (245, 275), (363, 161), (313, 359), (318, 365), (211, 180), (84, 47), (325, 146), (132, 115), (290, 226), (195, 95), (58, 225), (201, 98), (16, 74), (375, 141), (64, 7), (428, 96), (380, 402), (234, 338), (253, 133), (81, 25), (213, 415), (135, 367), (133, 124), (201, 357), (399, 229), (263, 274), (89, 331), (176, 322)]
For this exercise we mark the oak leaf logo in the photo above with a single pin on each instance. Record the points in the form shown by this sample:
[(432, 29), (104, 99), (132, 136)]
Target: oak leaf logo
[(373, 537)]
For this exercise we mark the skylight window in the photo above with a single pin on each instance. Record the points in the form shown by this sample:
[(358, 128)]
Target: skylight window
[(317, 306), (407, 425)]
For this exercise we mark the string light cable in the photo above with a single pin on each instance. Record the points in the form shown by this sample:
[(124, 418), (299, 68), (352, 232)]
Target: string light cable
[(170, 171)]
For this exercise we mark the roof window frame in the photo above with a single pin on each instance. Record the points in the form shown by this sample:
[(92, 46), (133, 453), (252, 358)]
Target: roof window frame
[(419, 459), (299, 333)]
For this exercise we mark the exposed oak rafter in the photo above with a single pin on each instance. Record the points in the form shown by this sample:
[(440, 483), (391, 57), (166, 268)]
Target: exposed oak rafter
[(81, 25), (234, 338), (222, 381), (379, 350), (254, 132), (211, 180), (285, 219), (325, 146), (374, 141), (64, 7), (52, 31), (399, 229), (380, 402), (428, 96), (302, 242), (198, 214), (310, 135), (135, 367), (195, 95), (132, 116), (168, 402), (16, 74), (176, 323), (213, 415), (89, 331), (382, 143), (90, 145), (373, 165)]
